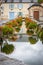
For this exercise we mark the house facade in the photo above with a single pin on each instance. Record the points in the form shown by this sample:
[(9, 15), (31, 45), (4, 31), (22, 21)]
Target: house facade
[(36, 11), (18, 1), (13, 10), (10, 11)]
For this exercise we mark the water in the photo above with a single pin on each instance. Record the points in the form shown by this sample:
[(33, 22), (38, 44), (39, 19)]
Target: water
[(31, 54), (27, 49)]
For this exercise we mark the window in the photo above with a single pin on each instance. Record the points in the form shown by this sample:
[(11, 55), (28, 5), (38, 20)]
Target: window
[(20, 14), (11, 6), (2, 12), (20, 6), (11, 15), (2, 8)]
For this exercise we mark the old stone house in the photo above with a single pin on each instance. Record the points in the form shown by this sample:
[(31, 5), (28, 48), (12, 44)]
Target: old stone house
[(36, 11), (12, 10)]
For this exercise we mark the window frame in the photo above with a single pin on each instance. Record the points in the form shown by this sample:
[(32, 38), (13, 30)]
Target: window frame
[(11, 6), (20, 14), (20, 6)]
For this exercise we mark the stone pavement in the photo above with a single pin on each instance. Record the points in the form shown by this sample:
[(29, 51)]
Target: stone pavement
[(7, 61)]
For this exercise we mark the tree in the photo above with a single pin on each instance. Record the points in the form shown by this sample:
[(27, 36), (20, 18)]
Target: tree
[(40, 1)]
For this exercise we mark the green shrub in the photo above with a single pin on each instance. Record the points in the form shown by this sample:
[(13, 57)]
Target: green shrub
[(38, 28), (30, 32), (8, 48), (32, 25), (40, 34), (19, 21), (7, 30), (32, 40), (17, 29), (40, 1), (27, 24)]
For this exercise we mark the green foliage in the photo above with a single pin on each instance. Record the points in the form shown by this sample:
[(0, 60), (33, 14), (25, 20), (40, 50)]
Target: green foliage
[(8, 48), (17, 29), (40, 34), (30, 32), (7, 30), (19, 21), (27, 24), (32, 25), (20, 24), (40, 1), (32, 40)]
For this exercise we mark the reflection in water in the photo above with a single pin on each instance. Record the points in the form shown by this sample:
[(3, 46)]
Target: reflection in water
[(33, 40), (41, 40), (28, 53)]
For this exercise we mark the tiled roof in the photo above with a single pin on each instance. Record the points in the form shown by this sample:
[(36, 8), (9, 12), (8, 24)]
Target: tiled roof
[(36, 4), (19, 0)]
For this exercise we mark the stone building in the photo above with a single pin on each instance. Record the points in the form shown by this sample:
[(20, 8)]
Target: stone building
[(19, 1), (36, 12), (12, 10)]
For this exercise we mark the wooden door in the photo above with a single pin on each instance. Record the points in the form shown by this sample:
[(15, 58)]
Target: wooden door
[(36, 15)]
